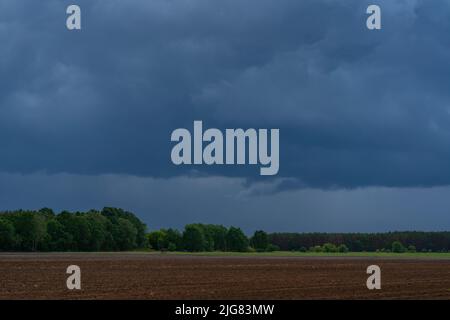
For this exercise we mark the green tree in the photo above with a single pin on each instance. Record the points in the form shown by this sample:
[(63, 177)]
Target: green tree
[(194, 238), (47, 213), (260, 240), (43, 230), (162, 239), (208, 233), (329, 247), (30, 229), (98, 228), (174, 239), (398, 247), (316, 249), (342, 248), (78, 226), (7, 235), (272, 248), (219, 236), (156, 239), (124, 234), (236, 240), (113, 214), (59, 239)]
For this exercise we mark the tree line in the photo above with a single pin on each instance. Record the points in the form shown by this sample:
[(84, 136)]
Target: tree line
[(200, 237), (110, 229), (206, 237), (113, 229), (369, 242)]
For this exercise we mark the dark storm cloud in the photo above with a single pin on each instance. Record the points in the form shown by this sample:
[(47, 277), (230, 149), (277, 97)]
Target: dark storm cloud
[(354, 107)]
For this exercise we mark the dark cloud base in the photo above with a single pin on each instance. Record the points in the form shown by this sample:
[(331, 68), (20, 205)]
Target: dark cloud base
[(354, 107)]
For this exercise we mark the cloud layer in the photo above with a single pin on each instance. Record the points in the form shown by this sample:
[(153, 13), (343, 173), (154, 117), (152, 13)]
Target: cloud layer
[(354, 107)]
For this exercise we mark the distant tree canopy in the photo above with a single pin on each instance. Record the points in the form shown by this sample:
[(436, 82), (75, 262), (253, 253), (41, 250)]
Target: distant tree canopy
[(236, 240), (206, 237), (110, 230), (398, 247), (370, 242), (199, 237), (260, 241)]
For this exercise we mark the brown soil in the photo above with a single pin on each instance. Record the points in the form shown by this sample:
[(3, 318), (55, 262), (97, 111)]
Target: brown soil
[(151, 276)]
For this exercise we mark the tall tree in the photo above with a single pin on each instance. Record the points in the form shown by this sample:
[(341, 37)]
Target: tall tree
[(30, 229), (236, 240), (124, 233), (194, 238), (260, 240), (6, 235)]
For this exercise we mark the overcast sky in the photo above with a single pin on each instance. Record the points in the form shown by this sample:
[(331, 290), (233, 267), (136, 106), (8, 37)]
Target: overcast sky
[(364, 116)]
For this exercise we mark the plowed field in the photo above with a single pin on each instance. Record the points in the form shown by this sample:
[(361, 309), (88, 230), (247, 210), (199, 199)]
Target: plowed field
[(153, 276)]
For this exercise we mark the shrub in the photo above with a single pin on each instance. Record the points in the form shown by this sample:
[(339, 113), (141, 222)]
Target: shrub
[(316, 249), (342, 248), (272, 247), (398, 247), (329, 247)]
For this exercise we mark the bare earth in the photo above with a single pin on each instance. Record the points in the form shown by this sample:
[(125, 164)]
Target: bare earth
[(152, 276)]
